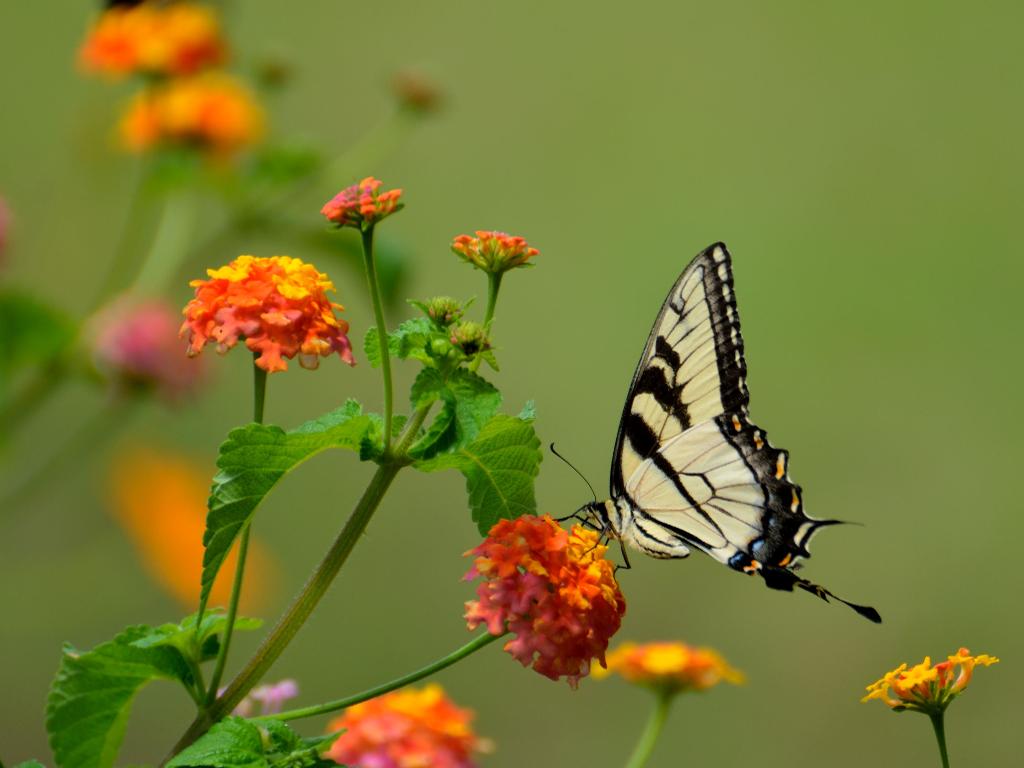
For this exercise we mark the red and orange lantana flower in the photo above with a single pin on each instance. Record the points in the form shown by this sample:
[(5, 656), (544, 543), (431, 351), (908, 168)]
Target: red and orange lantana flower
[(277, 304), (494, 252), (152, 38), (362, 205), (406, 729), (212, 111), (553, 589), (926, 688), (670, 666)]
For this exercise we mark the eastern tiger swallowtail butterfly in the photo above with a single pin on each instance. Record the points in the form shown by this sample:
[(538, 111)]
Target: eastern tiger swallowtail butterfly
[(689, 469)]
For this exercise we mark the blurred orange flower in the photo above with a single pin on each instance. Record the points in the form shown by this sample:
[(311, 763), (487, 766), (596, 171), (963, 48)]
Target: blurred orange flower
[(212, 111), (924, 688), (155, 39), (159, 498), (278, 304), (406, 729), (362, 205), (554, 589), (672, 667), (494, 252)]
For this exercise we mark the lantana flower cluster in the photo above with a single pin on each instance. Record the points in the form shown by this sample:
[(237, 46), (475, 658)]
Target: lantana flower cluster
[(362, 205), (212, 111), (406, 729), (670, 666), (926, 688), (553, 589), (494, 252), (155, 39), (277, 304)]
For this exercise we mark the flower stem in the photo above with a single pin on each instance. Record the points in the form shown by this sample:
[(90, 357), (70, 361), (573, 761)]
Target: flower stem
[(170, 244), (493, 286), (382, 331), (469, 648), (259, 396), (301, 608), (940, 736), (652, 730)]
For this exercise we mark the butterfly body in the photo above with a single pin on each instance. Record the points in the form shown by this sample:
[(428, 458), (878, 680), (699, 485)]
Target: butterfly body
[(689, 469)]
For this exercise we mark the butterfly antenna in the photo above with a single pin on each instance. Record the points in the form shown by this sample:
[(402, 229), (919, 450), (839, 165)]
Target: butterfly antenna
[(570, 465)]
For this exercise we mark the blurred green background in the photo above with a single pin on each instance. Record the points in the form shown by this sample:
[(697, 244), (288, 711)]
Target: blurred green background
[(863, 162)]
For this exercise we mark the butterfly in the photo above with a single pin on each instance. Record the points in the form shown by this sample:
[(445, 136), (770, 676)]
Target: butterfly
[(689, 468)]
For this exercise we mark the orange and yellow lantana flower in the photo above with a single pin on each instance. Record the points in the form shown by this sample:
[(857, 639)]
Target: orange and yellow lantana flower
[(494, 252), (670, 666), (277, 304), (154, 39), (554, 589), (406, 729), (212, 111), (926, 688)]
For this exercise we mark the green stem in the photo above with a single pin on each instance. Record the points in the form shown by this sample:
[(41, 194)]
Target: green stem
[(652, 730), (259, 396), (301, 608), (31, 396), (382, 331), (940, 736), (170, 244), (122, 261), (471, 647), (493, 286)]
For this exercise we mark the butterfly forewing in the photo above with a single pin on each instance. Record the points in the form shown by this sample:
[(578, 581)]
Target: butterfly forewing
[(692, 367)]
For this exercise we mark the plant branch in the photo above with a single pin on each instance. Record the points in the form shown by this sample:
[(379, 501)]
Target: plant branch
[(382, 332), (652, 730), (940, 736), (469, 648)]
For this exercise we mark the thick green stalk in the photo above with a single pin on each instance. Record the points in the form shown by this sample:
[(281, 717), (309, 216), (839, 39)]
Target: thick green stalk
[(301, 608), (940, 736), (471, 647), (652, 730), (259, 397), (382, 331)]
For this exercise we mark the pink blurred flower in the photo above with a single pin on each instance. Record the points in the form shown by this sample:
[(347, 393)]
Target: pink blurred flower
[(270, 697), (135, 343)]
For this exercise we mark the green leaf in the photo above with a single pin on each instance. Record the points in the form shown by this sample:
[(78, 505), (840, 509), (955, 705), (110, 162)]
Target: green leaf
[(197, 641), (252, 461), (499, 466), (239, 743), (409, 340), (33, 332), (89, 702), (29, 764), (469, 401)]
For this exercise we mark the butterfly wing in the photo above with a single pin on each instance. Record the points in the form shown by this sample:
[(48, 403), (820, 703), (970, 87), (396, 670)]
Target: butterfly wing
[(692, 367), (692, 468)]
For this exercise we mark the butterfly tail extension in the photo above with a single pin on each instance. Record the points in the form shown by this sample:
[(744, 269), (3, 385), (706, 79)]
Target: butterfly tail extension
[(786, 580)]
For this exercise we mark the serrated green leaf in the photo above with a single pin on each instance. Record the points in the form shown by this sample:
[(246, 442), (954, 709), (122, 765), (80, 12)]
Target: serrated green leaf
[(252, 461), (499, 466), (89, 702), (29, 764), (409, 340), (529, 412), (469, 401), (197, 641), (239, 743), (232, 743)]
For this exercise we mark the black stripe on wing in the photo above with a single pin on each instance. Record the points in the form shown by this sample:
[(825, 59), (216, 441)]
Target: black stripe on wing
[(673, 366), (785, 528)]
